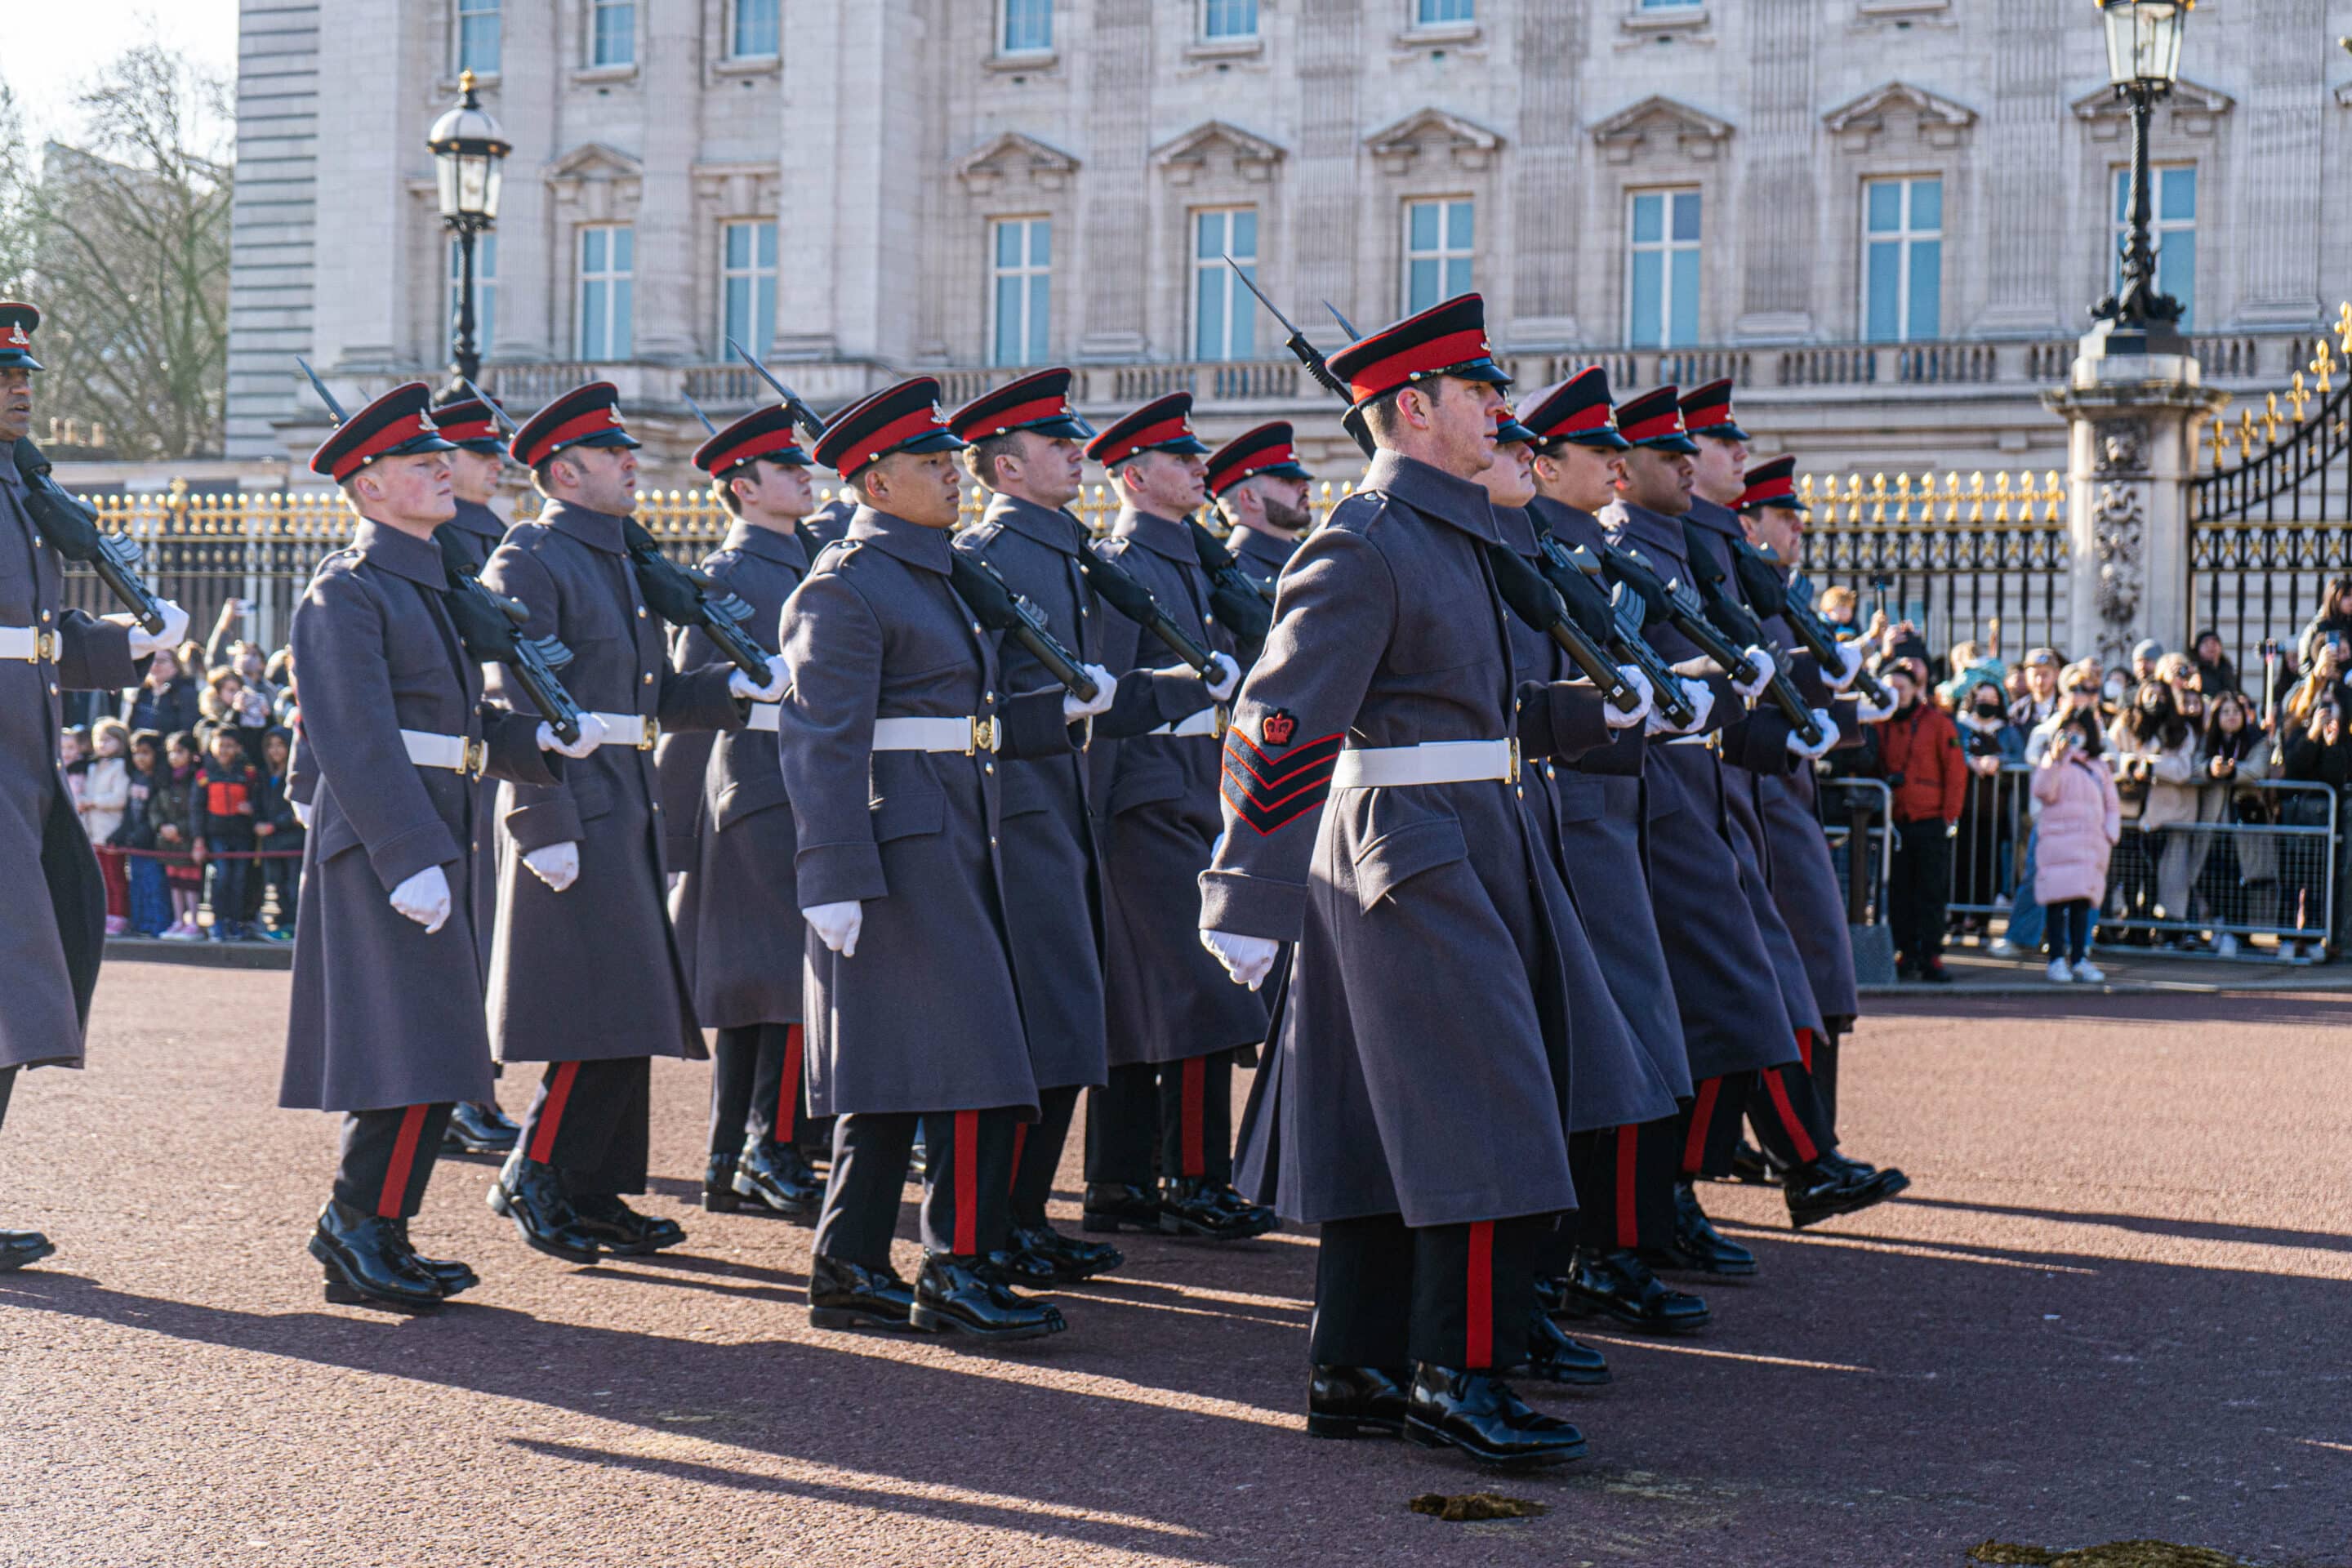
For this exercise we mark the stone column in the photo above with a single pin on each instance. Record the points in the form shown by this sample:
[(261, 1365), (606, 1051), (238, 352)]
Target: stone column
[(2025, 143), (1545, 197), (364, 202), (2134, 422), (1115, 195), (668, 251), (2286, 110), (534, 313), (825, 216), (1325, 216), (1777, 171)]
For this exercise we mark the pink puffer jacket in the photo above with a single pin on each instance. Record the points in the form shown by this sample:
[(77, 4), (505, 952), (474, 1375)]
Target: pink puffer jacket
[(2081, 819)]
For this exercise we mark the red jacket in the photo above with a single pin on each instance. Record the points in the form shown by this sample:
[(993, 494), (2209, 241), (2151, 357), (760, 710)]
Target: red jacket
[(1921, 747)]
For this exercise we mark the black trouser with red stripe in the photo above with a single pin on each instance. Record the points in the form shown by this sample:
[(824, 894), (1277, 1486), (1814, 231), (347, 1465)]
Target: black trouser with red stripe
[(1163, 1118), (758, 1092), (1458, 1296), (1037, 1154), (388, 1157), (1781, 1103), (968, 1172), (588, 1120), (1625, 1185)]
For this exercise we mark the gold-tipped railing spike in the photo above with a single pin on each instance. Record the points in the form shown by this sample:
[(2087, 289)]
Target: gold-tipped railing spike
[(2246, 435), (2344, 327), (2000, 500), (2298, 396), (2270, 418), (2322, 366)]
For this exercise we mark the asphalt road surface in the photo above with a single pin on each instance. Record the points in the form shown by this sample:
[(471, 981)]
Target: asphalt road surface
[(2116, 1304)]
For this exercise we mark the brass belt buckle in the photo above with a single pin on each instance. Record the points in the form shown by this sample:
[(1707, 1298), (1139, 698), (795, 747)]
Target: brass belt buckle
[(47, 645), (1225, 721), (985, 734), (653, 733), (1515, 759), (475, 758)]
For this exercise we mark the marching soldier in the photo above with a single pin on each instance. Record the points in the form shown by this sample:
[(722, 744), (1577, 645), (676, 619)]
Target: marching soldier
[(52, 919), (585, 972), (738, 920), (1258, 484), (1026, 446), (891, 735), (1174, 1025), (1417, 1094), (386, 1025)]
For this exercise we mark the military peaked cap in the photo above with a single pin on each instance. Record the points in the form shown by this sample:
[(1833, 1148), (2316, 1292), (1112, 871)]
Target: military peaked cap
[(1653, 419), (586, 415), (1264, 450), (1162, 425), (1707, 411), (1039, 402), (471, 424), (1771, 484), (902, 418), (1575, 410), (393, 426), (16, 323), (1448, 339), (767, 433)]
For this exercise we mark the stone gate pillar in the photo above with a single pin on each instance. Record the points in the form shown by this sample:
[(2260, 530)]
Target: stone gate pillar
[(2133, 421)]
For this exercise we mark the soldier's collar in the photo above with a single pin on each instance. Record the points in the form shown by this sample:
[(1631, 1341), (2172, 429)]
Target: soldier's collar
[(1050, 527), (911, 542), (1716, 519), (1264, 548), (596, 530), (1434, 493), (1161, 536), (402, 554), (1518, 529), (475, 518), (751, 539), (1653, 534)]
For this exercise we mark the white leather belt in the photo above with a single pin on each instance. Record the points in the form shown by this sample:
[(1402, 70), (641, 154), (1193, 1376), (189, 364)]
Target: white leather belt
[(965, 735), (629, 730), (1207, 721), (1705, 740), (764, 717), (1431, 762), (28, 645), (457, 754)]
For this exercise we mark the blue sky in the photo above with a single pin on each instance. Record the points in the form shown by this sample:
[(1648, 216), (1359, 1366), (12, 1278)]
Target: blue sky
[(54, 45)]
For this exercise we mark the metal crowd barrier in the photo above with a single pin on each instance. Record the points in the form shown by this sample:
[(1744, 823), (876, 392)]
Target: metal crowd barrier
[(1864, 805), (2269, 869)]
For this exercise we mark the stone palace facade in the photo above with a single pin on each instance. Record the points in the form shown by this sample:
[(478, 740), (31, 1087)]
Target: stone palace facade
[(1885, 216)]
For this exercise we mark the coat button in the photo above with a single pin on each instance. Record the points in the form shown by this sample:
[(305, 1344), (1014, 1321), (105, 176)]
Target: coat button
[(650, 678), (44, 615), (975, 626), (988, 767), (1208, 620), (988, 696), (641, 611), (37, 542)]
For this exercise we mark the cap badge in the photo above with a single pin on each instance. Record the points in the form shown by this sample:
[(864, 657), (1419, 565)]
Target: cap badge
[(16, 338), (614, 413), (939, 414), (425, 424)]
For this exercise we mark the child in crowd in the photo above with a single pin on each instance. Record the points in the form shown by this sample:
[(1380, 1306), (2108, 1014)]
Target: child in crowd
[(2081, 820), (227, 799), (171, 811), (279, 832), (150, 900), (104, 797)]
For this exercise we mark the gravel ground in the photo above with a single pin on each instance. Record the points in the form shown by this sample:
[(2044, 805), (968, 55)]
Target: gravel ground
[(2114, 1306)]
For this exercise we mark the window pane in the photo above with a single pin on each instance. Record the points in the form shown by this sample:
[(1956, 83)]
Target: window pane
[(1245, 236), (1231, 19), (591, 320), (591, 250), (1684, 297), (1926, 320), (738, 309), (1038, 301), (1028, 23), (1242, 343), (1649, 219), (1886, 206), (1648, 298), (1459, 234), (478, 35), (1686, 214), (738, 245), (1423, 216), (2176, 270), (1444, 11), (2177, 195), (763, 321), (624, 245), (1926, 206), (767, 245), (1458, 275), (1007, 350), (1421, 292), (624, 331), (2123, 195), (1008, 245), (1211, 227), (616, 33), (1041, 243), (1883, 292), (755, 27)]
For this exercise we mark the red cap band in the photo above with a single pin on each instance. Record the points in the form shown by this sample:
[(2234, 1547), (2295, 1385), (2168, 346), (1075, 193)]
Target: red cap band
[(906, 428), (1669, 423), (1150, 436), (1421, 359), (572, 429), (1022, 414), (758, 446), (400, 432)]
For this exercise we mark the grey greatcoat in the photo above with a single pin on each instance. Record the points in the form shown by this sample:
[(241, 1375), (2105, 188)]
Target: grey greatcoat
[(1261, 556), (1169, 998), (1420, 1062), (1735, 1018), (1620, 1076), (1052, 841), (926, 1016), (592, 974), (384, 1013), (738, 915), (52, 904)]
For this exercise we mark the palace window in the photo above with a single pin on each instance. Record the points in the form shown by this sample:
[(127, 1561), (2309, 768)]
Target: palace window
[(1223, 20), (1438, 236), (758, 32), (1661, 270), (612, 32), (607, 260), (1901, 260), (1022, 267), (2172, 228), (746, 284), (1439, 13), (486, 289), (1225, 317), (478, 36), (1028, 26)]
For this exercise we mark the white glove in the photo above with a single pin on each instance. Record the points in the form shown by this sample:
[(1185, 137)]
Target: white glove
[(301, 811), (1229, 675), (144, 642), (1702, 700), (425, 899), (1702, 667), (741, 685), (558, 865), (1761, 663), (838, 924), (1075, 707), (1866, 712), (592, 735), (1633, 678), (1248, 959), (1828, 728), (1850, 655)]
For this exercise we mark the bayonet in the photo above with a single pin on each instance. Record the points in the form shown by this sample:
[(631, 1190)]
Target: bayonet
[(792, 401)]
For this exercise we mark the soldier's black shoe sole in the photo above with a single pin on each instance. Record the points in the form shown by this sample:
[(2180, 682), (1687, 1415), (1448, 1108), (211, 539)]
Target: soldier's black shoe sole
[(930, 1320), (1344, 1428), (342, 1290), (19, 1258), (846, 1318), (1429, 1436)]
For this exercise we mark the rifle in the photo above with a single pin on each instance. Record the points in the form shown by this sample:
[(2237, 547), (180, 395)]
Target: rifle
[(1121, 592), (1535, 601), (1740, 624), (71, 525), (1793, 602), (993, 603), (793, 406), (1576, 575), (1239, 602), (489, 624), (1310, 356), (1675, 604)]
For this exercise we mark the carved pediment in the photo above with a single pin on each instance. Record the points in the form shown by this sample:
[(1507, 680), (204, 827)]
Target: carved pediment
[(1184, 156), (1470, 144), (1662, 123), (1938, 120), (595, 161), (2190, 109), (1014, 155)]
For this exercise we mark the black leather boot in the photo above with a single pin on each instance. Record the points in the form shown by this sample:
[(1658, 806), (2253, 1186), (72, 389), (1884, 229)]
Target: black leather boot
[(850, 1296), (1193, 1206), (1553, 1357), (1619, 1286), (454, 1276), (1113, 1206), (1477, 1412), (1020, 1268), (775, 1175), (956, 1293), (1890, 1179), (1819, 1190), (1753, 1166), (719, 1193), (480, 1129), (531, 1195), (18, 1248), (1356, 1402), (1070, 1258), (622, 1230), (373, 1265), (1698, 1249), (1552, 1292)]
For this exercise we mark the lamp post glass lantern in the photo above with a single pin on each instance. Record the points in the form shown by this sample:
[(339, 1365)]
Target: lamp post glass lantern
[(2144, 64), (468, 155)]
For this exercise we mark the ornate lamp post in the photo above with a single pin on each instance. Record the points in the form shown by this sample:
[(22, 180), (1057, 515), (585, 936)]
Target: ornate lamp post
[(468, 150), (2143, 63)]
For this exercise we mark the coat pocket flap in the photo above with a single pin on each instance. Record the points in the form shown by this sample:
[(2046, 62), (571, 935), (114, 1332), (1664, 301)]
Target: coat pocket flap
[(909, 815), (1143, 781), (1581, 799), (592, 795), (1396, 858), (336, 835), (748, 798)]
